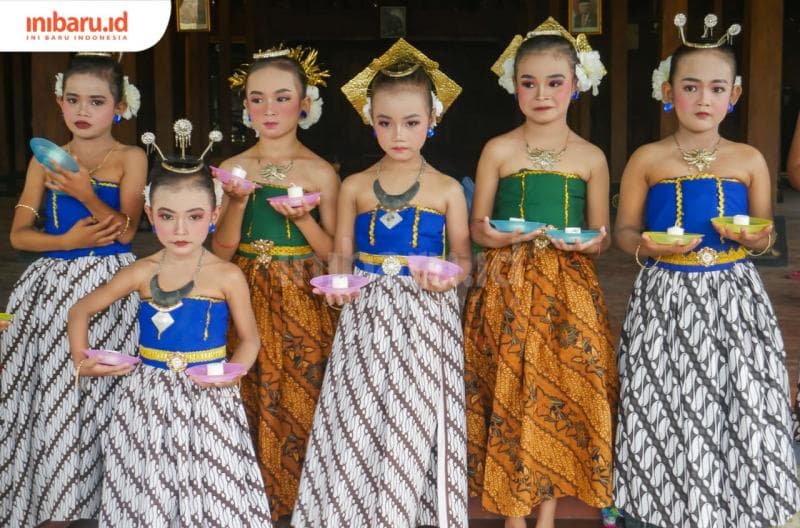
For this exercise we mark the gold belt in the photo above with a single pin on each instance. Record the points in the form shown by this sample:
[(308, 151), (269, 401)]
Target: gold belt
[(706, 257), (390, 264), (177, 361), (264, 250)]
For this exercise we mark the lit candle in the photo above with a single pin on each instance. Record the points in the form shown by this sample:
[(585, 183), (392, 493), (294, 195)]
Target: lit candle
[(215, 369), (339, 282), (514, 219), (572, 230), (675, 231), (111, 359), (239, 172), (435, 266), (741, 220)]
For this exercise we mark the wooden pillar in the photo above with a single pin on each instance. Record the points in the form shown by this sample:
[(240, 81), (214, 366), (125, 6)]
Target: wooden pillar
[(762, 79), (618, 81), (163, 106), (670, 39), (196, 91), (6, 146), (225, 69), (20, 134), (45, 113), (125, 132)]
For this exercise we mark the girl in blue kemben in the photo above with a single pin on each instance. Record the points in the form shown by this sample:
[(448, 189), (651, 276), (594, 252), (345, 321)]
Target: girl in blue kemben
[(50, 433), (388, 443), (704, 431), (179, 452)]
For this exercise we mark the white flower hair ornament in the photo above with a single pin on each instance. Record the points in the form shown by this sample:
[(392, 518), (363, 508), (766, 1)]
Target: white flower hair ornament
[(661, 75), (130, 95), (589, 70), (315, 111), (438, 109)]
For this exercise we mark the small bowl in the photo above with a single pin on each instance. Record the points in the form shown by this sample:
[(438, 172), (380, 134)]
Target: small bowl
[(446, 270), (111, 357), (231, 370), (45, 150), (584, 236), (756, 224), (509, 226), (308, 198), (226, 177), (664, 238), (325, 283)]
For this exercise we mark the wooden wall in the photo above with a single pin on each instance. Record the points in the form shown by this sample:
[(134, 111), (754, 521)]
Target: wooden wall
[(185, 75)]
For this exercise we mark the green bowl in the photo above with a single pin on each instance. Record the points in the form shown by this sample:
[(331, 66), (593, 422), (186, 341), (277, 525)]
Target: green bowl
[(664, 238), (6, 316), (756, 224)]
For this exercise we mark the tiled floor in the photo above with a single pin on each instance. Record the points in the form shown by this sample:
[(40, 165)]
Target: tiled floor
[(617, 271)]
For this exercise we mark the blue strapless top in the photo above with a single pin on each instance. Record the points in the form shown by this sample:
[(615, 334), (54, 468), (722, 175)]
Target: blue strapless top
[(62, 211), (691, 202), (200, 325), (421, 232)]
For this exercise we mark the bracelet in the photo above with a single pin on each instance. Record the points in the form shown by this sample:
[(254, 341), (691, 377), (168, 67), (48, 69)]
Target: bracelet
[(78, 371), (127, 225), (337, 308), (770, 243), (639, 262), (225, 246), (29, 208)]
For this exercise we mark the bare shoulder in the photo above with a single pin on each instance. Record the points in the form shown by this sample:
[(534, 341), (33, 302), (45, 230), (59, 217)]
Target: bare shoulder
[(443, 183), (748, 154), (650, 153), (133, 152), (145, 267), (357, 180), (239, 159), (501, 146), (318, 167), (223, 272), (590, 152)]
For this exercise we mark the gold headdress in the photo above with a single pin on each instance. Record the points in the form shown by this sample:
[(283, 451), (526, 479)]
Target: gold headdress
[(709, 23), (398, 61), (183, 138), (106, 54), (589, 70), (306, 57)]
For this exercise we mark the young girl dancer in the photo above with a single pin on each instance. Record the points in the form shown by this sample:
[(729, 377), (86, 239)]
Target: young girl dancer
[(704, 434), (541, 380), (280, 248), (179, 452), (388, 443), (50, 461)]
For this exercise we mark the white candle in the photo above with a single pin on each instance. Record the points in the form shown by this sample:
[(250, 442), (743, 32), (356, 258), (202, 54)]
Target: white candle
[(741, 220), (435, 267), (239, 172), (215, 369), (514, 219), (572, 230), (339, 282), (675, 230), (112, 359), (295, 191)]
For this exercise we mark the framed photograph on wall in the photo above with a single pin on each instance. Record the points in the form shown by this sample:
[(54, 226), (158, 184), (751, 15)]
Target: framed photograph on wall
[(586, 16), (193, 15), (393, 21)]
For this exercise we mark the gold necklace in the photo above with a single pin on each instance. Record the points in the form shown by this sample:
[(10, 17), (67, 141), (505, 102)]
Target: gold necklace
[(544, 159), (99, 165), (699, 158), (274, 171)]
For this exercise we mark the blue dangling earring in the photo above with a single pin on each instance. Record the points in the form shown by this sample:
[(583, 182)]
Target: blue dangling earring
[(211, 227), (303, 114), (374, 133), (153, 228), (431, 132), (730, 108), (668, 107), (117, 119), (576, 95)]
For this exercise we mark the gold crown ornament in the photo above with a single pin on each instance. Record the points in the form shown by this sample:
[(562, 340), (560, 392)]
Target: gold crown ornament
[(305, 56), (589, 69), (400, 60), (709, 23)]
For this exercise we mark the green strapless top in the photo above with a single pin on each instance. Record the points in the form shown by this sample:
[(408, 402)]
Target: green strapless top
[(555, 198), (262, 222)]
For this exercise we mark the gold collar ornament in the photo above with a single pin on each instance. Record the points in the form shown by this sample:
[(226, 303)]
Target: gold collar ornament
[(700, 158), (589, 70), (399, 60)]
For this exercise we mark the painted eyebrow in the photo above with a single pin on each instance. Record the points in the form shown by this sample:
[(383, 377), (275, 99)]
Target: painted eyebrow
[(553, 76), (692, 79), (73, 94), (406, 117), (168, 210)]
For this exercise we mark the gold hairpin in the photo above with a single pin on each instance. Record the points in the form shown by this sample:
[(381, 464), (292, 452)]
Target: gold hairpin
[(305, 57)]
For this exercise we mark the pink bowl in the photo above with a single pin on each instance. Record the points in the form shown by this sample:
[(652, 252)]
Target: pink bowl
[(226, 177), (231, 370), (111, 357), (446, 269), (308, 198), (325, 283)]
